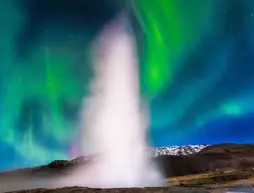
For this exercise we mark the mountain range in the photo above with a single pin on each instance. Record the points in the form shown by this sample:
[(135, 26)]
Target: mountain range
[(176, 150)]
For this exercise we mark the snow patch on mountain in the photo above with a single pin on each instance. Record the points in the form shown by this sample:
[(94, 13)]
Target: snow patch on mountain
[(154, 152), (175, 150)]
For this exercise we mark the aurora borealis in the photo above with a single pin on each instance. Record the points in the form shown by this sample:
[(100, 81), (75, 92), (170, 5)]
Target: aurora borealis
[(196, 61)]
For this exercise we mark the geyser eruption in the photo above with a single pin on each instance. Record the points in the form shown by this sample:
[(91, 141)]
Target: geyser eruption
[(113, 120)]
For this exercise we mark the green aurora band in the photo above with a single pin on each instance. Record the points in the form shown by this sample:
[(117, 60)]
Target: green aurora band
[(196, 61)]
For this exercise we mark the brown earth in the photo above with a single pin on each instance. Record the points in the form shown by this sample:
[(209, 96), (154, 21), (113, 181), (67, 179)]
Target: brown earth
[(223, 164), (216, 158), (117, 190)]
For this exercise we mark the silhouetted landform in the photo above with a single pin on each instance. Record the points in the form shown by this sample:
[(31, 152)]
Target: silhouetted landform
[(215, 165), (215, 158), (210, 159)]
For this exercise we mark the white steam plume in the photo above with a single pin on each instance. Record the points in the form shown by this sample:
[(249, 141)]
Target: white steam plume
[(114, 124), (113, 121)]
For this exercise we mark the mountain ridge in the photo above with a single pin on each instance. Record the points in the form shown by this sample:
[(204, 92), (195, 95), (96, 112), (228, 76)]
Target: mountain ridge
[(175, 150)]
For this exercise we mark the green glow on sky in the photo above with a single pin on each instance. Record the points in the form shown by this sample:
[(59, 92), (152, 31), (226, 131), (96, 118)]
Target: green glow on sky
[(168, 27)]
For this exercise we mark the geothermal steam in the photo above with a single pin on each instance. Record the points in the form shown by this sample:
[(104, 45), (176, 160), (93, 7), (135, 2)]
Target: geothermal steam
[(114, 122)]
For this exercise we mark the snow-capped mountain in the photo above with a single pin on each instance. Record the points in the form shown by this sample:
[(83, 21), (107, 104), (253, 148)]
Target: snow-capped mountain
[(176, 150), (154, 152)]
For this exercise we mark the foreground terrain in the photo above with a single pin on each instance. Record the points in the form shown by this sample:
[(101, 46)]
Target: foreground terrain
[(213, 168), (118, 190)]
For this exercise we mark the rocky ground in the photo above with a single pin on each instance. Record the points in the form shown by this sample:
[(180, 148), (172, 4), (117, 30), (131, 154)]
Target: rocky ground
[(118, 190), (223, 165), (212, 159)]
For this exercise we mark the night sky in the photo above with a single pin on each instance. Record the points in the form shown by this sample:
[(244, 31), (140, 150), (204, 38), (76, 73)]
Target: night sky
[(196, 61)]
